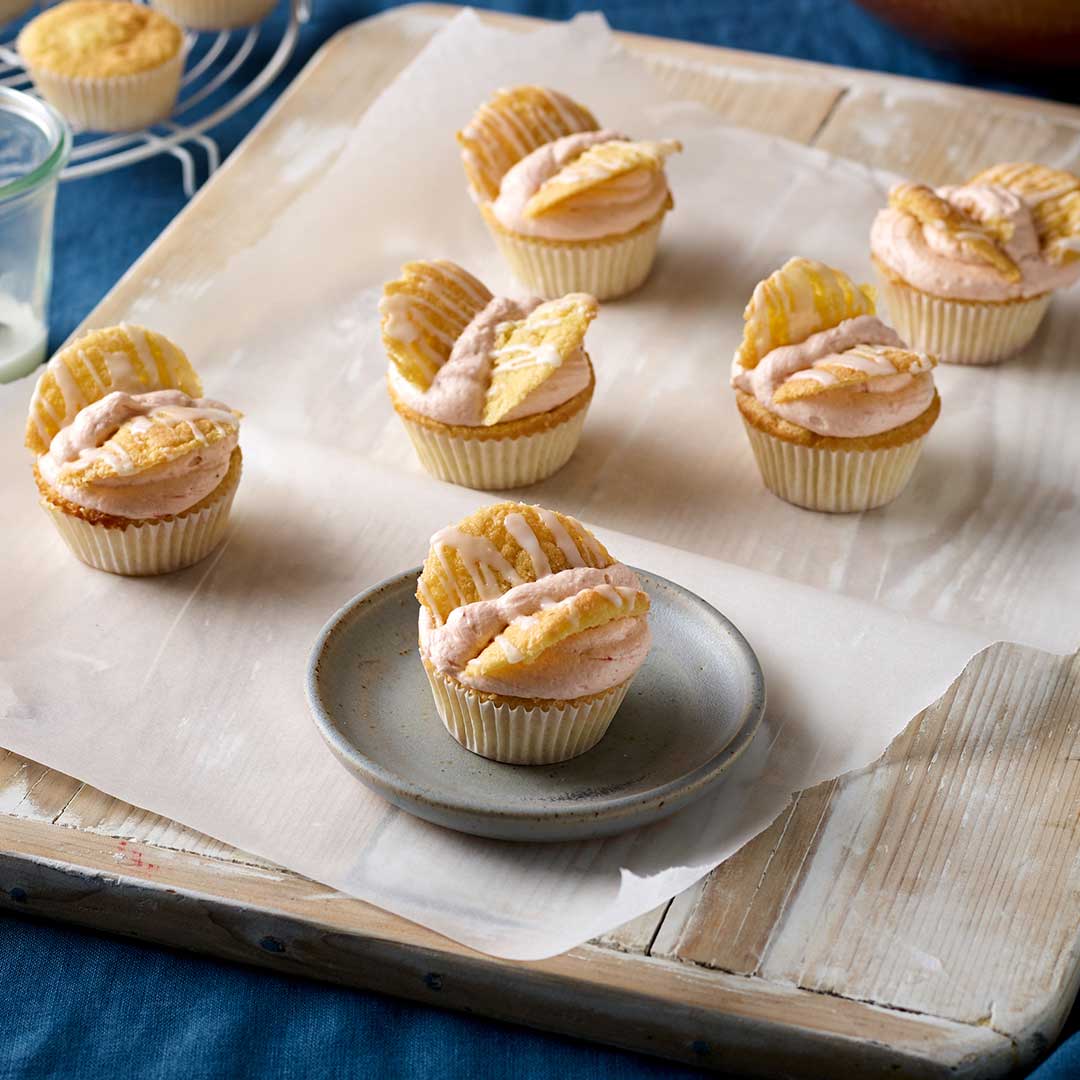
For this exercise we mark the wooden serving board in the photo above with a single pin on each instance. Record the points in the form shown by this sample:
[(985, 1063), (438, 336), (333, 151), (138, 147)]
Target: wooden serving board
[(919, 918)]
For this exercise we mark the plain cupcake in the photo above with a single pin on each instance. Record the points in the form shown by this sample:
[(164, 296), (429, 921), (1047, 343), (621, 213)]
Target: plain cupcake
[(107, 65), (134, 467), (835, 405), (967, 272), (530, 633), (492, 391), (572, 207), (216, 14)]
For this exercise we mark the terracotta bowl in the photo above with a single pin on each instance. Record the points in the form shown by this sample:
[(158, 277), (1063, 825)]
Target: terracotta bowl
[(1046, 32)]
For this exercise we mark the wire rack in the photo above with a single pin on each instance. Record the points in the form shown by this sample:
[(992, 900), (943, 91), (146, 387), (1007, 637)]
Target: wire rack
[(216, 84)]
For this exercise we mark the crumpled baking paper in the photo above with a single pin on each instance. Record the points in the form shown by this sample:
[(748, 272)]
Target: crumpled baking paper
[(185, 694)]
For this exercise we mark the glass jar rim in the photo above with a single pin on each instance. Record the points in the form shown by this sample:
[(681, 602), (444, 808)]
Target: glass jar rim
[(52, 125)]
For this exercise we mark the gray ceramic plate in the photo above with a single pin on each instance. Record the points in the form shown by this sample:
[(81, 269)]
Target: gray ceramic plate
[(692, 710)]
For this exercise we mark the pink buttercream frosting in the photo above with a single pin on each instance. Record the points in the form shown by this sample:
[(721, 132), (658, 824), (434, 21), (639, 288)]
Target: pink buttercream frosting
[(868, 408), (148, 493), (459, 389), (624, 203), (931, 259), (586, 663)]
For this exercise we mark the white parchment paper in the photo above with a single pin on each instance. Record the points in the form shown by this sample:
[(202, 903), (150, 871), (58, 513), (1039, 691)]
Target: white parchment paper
[(184, 694)]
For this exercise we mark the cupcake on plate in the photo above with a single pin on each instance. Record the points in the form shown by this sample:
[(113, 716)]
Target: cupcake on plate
[(967, 272), (573, 207), (492, 391), (835, 405), (530, 633), (135, 468), (107, 65), (216, 14)]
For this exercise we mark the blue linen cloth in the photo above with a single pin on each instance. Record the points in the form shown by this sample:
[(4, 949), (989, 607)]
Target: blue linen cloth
[(77, 1004)]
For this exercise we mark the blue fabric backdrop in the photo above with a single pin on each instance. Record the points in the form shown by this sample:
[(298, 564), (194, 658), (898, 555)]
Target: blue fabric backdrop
[(78, 1004)]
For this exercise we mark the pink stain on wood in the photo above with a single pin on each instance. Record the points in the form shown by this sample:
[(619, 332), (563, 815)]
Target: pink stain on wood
[(132, 857)]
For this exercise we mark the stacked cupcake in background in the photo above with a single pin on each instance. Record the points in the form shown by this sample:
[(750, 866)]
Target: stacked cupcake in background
[(106, 65)]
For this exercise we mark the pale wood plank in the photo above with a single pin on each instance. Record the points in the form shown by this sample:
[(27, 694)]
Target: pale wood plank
[(279, 920), (726, 922), (773, 67), (30, 790), (787, 105), (635, 936), (944, 880), (937, 138), (94, 811)]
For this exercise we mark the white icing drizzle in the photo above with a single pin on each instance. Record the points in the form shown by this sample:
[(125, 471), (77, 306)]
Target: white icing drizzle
[(197, 432), (138, 414), (527, 356), (1033, 198), (428, 599), (514, 130), (510, 650), (137, 337), (482, 560), (592, 545), (71, 392), (873, 361), (522, 532), (563, 541), (120, 373), (405, 322), (92, 371)]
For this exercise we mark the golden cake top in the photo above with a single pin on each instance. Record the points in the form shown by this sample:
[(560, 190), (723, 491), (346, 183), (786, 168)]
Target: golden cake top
[(125, 357), (802, 298), (1053, 196), (99, 39), (125, 435), (529, 351), (514, 597), (598, 172), (981, 241), (499, 547), (509, 127), (852, 369), (423, 313), (464, 357)]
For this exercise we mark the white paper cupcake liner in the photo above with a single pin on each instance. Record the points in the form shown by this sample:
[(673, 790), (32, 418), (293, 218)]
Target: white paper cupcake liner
[(494, 464), (521, 734), (835, 481), (151, 548), (961, 332), (606, 269), (216, 14), (123, 103)]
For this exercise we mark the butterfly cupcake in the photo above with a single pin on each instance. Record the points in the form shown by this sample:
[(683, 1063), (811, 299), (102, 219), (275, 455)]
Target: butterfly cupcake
[(530, 633), (134, 467), (835, 405), (492, 391), (573, 207), (967, 272)]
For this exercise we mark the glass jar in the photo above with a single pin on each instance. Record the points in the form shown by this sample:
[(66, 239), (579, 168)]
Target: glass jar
[(34, 146)]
